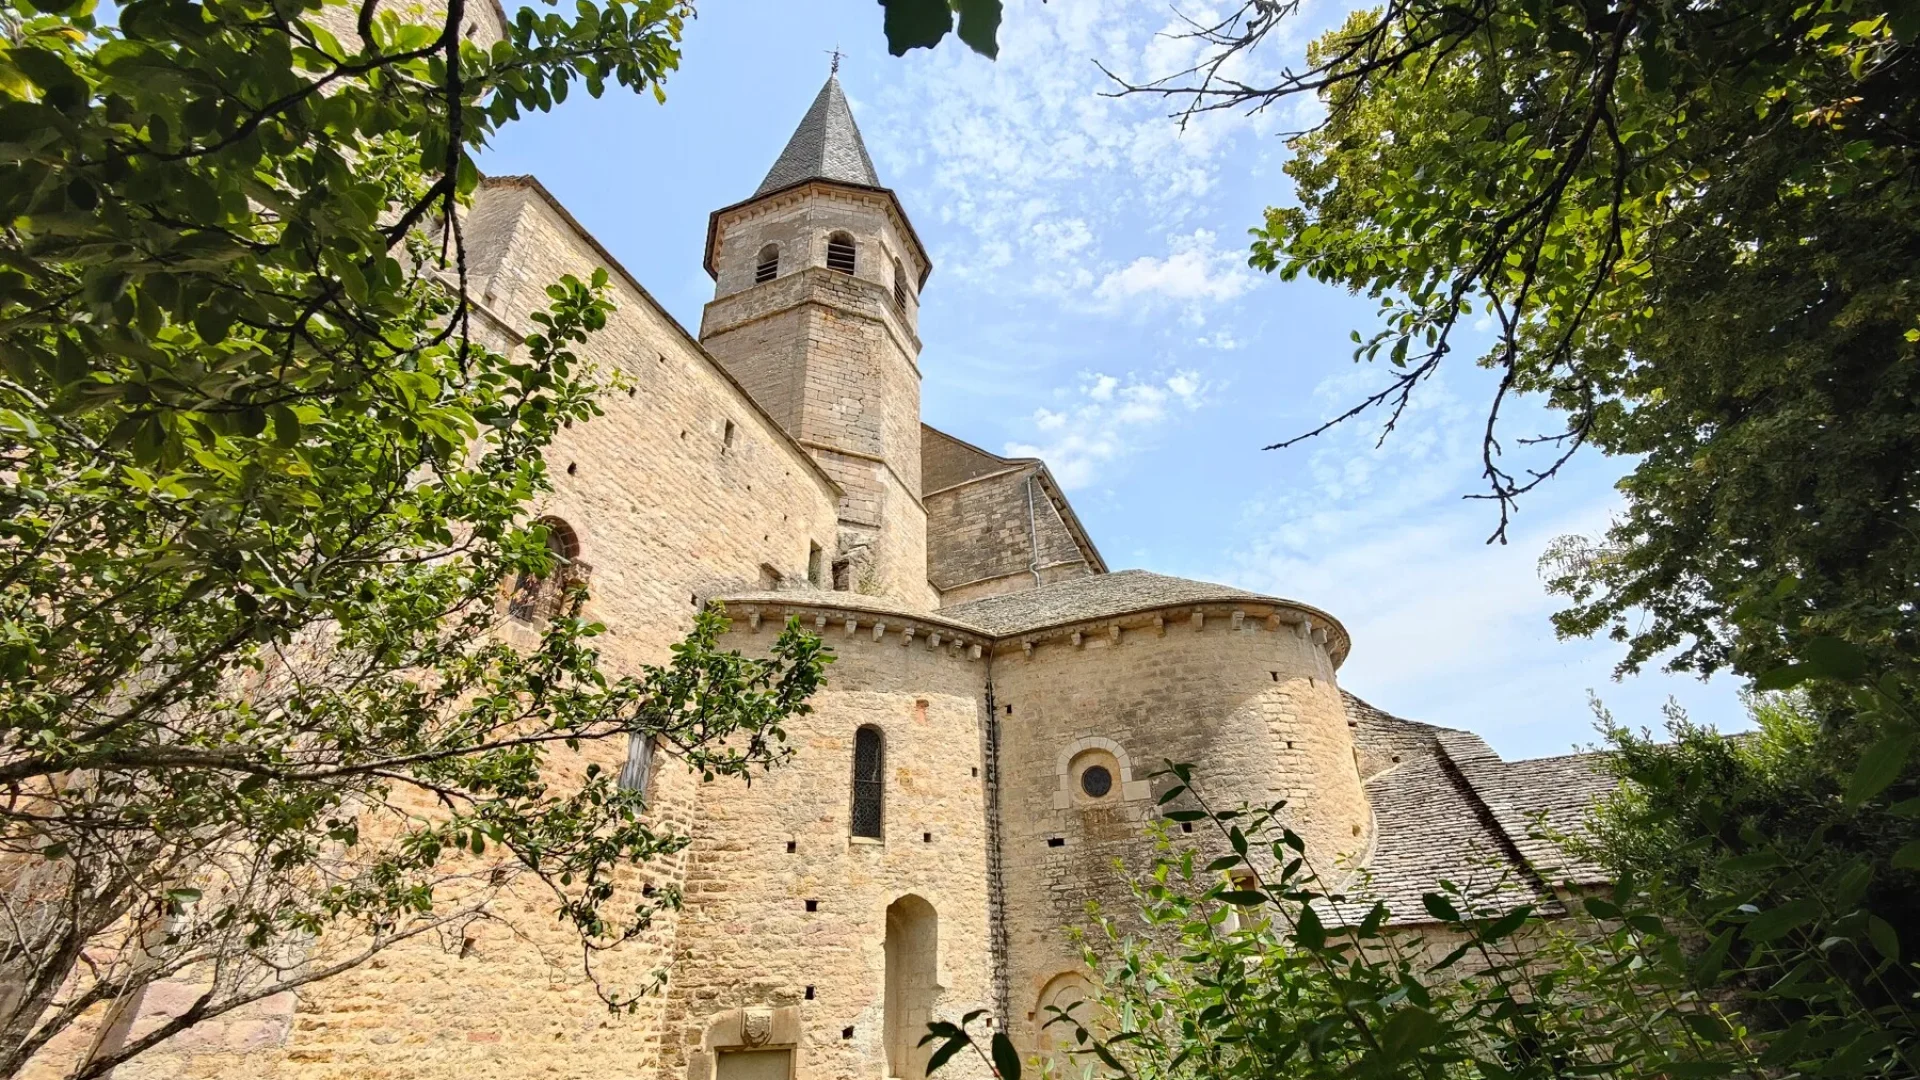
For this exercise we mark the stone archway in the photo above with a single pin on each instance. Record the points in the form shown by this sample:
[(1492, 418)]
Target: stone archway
[(913, 945)]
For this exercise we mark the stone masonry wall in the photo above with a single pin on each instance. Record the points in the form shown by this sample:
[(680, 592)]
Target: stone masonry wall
[(1250, 702), (670, 507), (947, 461), (763, 856), (981, 537)]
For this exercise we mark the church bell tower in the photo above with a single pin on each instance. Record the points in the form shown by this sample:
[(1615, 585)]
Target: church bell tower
[(815, 311)]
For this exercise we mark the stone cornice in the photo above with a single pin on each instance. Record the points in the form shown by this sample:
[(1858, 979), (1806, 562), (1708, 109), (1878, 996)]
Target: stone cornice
[(852, 614)]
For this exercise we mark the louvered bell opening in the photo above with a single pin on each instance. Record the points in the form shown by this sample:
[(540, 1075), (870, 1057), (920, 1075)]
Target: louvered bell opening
[(840, 255), (768, 267), (868, 786)]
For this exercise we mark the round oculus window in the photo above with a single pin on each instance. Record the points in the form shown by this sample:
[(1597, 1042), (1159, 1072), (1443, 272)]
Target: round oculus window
[(1096, 781)]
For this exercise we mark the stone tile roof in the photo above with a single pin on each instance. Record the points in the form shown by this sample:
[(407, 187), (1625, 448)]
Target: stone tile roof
[(1384, 740), (1098, 596), (1428, 828), (1538, 800), (826, 146), (1447, 807)]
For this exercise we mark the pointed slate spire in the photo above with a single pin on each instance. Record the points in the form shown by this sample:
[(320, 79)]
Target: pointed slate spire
[(826, 146)]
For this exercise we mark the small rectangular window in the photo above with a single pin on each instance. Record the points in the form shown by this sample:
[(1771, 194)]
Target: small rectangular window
[(639, 764), (813, 565), (726, 437)]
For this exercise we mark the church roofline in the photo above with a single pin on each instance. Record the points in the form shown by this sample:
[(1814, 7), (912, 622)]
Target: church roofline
[(899, 213), (532, 183)]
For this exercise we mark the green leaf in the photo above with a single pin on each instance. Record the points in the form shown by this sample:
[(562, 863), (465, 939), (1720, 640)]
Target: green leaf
[(915, 24), (1440, 907), (1908, 856), (1706, 969), (1243, 897), (945, 1051), (1878, 767), (980, 26), (1832, 658), (1006, 1060), (1774, 922), (1407, 1030), (1885, 940), (1308, 931), (1600, 908), (1506, 924)]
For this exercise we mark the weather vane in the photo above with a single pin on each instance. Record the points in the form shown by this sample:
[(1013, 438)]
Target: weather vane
[(835, 53)]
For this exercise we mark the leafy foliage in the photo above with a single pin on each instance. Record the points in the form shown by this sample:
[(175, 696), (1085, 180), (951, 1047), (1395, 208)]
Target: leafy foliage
[(1695, 237), (1795, 850), (1244, 962), (258, 720), (921, 24)]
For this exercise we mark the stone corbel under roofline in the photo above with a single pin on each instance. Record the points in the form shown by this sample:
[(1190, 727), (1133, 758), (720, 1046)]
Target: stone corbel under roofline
[(835, 620), (1190, 616), (843, 616)]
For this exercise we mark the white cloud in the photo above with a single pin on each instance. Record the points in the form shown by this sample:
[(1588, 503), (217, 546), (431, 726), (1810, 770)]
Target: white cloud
[(1195, 272), (1104, 419)]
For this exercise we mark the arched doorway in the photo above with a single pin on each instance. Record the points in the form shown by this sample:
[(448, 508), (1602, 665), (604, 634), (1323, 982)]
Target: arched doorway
[(913, 943)]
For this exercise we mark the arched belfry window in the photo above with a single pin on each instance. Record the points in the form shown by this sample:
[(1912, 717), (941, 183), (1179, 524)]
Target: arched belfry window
[(840, 253), (899, 285), (537, 597), (767, 266), (869, 782)]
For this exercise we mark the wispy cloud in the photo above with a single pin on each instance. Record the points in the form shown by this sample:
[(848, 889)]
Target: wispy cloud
[(1047, 177), (1195, 272), (1105, 418), (1446, 627)]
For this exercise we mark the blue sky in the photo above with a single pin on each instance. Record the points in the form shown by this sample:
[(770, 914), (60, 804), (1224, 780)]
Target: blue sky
[(1091, 303)]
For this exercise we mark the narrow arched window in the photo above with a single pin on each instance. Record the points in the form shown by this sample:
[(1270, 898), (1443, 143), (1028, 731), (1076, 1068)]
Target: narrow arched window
[(869, 783), (537, 596), (840, 253), (767, 267), (638, 768), (899, 285)]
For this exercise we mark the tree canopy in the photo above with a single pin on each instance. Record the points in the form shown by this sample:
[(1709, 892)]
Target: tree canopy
[(1694, 231), (266, 491)]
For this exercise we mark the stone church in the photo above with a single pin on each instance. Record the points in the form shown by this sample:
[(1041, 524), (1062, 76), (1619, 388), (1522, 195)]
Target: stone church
[(985, 746)]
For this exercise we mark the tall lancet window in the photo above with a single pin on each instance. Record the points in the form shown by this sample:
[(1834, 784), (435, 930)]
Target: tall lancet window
[(768, 266), (869, 783), (840, 253)]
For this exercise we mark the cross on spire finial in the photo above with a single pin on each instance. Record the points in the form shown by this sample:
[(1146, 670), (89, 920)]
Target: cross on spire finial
[(834, 52)]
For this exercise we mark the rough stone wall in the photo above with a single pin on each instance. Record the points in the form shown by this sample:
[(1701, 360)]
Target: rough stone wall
[(747, 939), (988, 535), (1250, 703), (832, 357), (946, 461), (507, 1006)]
